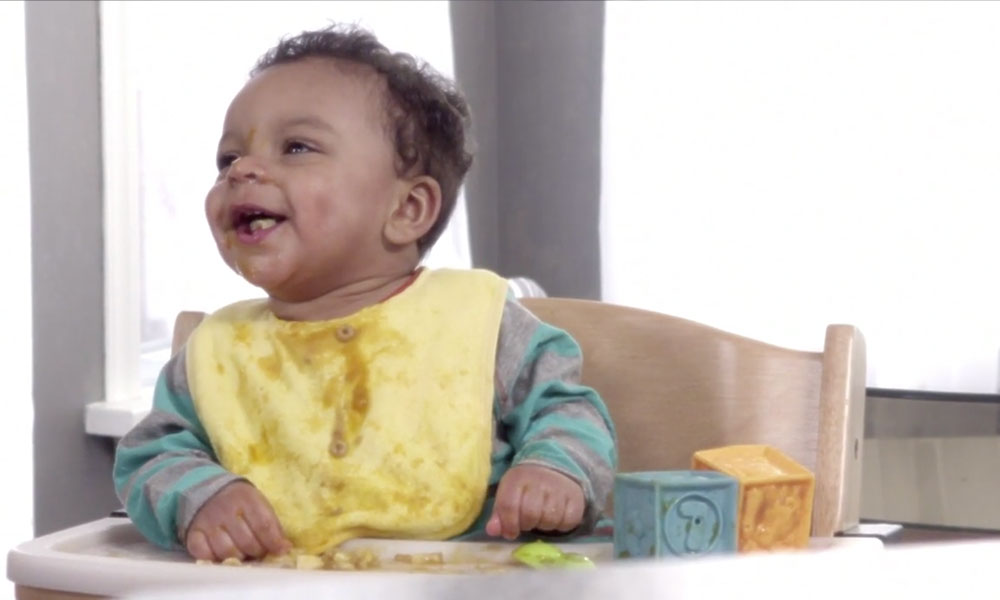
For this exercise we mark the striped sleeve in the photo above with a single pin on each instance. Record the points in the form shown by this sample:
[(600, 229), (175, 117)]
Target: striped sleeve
[(549, 418), (165, 468)]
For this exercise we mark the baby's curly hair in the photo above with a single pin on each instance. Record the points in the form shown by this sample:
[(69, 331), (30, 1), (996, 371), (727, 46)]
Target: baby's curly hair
[(427, 114)]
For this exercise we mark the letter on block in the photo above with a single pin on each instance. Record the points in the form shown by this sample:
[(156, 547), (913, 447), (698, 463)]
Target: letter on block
[(776, 495), (674, 513)]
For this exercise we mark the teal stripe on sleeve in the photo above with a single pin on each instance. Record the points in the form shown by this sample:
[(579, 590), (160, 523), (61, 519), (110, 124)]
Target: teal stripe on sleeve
[(164, 455), (555, 421)]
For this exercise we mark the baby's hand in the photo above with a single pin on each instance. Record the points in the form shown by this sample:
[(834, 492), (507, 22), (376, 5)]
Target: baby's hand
[(237, 521), (533, 497)]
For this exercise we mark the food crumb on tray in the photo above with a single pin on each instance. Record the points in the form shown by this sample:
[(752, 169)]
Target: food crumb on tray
[(427, 558), (334, 560)]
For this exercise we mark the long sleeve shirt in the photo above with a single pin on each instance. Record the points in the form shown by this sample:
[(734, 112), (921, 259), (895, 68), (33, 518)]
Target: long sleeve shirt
[(165, 467)]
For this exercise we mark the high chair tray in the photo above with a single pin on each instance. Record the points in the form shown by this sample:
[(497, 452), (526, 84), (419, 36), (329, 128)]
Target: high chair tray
[(109, 557)]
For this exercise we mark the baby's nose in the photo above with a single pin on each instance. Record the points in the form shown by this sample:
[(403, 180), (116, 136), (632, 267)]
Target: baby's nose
[(247, 169)]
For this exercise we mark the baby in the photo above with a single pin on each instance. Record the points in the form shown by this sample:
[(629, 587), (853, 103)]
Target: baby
[(366, 395)]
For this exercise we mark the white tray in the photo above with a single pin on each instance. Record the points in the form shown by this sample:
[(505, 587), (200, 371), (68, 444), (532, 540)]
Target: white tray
[(109, 557)]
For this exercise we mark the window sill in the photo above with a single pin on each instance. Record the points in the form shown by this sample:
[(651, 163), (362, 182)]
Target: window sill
[(114, 419)]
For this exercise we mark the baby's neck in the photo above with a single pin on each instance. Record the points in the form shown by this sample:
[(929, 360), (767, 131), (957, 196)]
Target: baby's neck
[(342, 301)]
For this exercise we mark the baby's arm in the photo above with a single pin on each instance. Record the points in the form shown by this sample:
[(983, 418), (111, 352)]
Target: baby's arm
[(165, 472), (560, 431)]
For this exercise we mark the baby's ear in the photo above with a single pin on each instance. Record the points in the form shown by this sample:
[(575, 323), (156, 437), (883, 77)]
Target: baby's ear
[(414, 212)]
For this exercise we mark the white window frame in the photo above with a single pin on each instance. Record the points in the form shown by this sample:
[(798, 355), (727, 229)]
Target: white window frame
[(125, 402)]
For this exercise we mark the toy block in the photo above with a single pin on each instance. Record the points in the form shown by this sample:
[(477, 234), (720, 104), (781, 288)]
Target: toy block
[(775, 495), (674, 514)]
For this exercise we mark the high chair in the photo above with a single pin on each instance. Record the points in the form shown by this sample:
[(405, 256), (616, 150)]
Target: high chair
[(675, 386)]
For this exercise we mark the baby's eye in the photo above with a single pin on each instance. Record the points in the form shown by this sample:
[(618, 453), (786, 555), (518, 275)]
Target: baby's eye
[(295, 147), (223, 161)]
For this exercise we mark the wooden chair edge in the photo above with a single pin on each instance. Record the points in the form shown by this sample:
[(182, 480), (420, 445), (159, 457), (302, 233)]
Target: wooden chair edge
[(841, 435), (184, 324), (548, 303)]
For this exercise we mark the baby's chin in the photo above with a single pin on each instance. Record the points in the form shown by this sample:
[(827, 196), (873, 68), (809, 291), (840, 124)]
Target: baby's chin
[(257, 278), (255, 274), (252, 269)]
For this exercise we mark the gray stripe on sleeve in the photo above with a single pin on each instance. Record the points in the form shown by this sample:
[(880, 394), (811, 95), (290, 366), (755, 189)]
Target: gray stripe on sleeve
[(155, 486), (176, 370), (517, 328), (548, 366), (157, 424), (598, 474), (578, 410), (164, 479)]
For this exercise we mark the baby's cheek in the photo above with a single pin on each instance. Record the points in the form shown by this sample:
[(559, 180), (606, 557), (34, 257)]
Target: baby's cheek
[(225, 243), (215, 210)]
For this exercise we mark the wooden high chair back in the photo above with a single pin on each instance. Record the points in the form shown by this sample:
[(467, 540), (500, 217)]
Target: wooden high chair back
[(675, 386)]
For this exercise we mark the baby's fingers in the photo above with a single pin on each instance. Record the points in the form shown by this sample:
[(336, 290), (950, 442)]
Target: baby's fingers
[(197, 545), (553, 513), (572, 515), (243, 537), (533, 505), (508, 509), (493, 526), (222, 545), (264, 524)]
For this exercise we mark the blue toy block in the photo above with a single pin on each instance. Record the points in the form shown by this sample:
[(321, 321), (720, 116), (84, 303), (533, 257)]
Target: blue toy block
[(675, 513)]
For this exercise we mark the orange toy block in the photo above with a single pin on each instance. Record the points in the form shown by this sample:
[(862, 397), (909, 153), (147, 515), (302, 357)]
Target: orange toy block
[(775, 498)]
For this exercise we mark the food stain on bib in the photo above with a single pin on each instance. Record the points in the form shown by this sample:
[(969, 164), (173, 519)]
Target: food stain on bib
[(271, 365), (342, 428), (347, 391)]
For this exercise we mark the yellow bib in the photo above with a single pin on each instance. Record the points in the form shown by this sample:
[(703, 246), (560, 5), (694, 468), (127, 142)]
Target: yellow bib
[(376, 424)]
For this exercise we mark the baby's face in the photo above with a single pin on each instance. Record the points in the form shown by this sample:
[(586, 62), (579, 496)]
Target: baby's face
[(306, 178)]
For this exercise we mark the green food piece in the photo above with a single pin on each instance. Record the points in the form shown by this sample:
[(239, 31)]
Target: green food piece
[(542, 555)]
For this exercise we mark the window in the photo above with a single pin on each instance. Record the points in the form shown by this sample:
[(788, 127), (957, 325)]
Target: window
[(170, 70), (770, 168)]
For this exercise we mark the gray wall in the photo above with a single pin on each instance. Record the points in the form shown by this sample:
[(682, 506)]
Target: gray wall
[(532, 72), (72, 469)]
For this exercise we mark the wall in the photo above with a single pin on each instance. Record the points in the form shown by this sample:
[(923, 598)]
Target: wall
[(532, 73), (15, 247), (932, 459), (72, 470)]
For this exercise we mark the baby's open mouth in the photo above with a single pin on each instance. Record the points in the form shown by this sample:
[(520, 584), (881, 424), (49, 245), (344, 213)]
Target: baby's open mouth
[(249, 220), (252, 223)]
